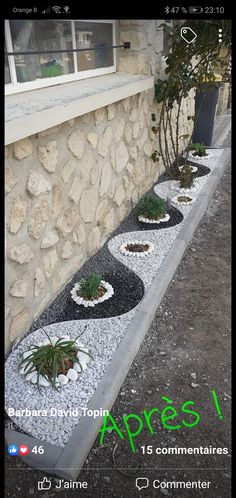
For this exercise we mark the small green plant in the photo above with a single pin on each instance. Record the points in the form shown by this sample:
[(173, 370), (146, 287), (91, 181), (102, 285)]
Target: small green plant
[(151, 207), (154, 156), (90, 286), (52, 359), (186, 176), (200, 149)]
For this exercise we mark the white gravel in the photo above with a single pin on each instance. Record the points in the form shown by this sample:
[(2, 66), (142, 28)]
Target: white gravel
[(136, 254), (163, 219), (187, 199), (193, 168), (102, 338), (170, 190), (146, 268), (209, 160)]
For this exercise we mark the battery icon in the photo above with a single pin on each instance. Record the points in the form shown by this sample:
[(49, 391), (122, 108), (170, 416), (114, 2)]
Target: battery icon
[(195, 10)]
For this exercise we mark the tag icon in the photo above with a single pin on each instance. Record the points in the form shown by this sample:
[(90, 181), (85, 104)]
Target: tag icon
[(188, 34)]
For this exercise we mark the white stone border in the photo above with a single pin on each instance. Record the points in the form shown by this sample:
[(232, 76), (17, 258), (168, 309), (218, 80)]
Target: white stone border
[(170, 190), (61, 380), (195, 187), (175, 199), (124, 251), (85, 302), (193, 168), (160, 220), (208, 155), (146, 267), (211, 154)]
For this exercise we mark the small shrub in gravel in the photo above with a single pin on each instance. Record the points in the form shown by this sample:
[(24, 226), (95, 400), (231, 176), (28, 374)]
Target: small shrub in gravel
[(186, 176), (43, 364), (91, 290), (199, 150), (151, 207), (90, 287)]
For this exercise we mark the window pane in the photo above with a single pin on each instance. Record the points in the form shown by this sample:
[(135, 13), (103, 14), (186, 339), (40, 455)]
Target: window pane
[(7, 70), (89, 35), (41, 35)]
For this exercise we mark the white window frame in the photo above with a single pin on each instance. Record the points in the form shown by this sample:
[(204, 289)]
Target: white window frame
[(16, 87)]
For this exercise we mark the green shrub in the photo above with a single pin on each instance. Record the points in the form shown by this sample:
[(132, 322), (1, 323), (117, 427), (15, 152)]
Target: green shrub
[(89, 286), (200, 149), (52, 359), (186, 176), (151, 207)]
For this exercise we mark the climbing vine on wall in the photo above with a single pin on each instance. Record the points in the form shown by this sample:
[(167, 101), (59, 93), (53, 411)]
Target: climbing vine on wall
[(188, 66)]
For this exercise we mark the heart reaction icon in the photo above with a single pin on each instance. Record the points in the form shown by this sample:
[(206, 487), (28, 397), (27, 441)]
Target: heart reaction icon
[(24, 450)]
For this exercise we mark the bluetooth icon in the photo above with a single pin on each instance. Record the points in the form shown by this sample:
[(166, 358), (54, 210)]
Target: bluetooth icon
[(167, 10)]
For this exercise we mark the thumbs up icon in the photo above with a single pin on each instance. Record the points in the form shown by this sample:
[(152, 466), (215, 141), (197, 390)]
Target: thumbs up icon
[(44, 484)]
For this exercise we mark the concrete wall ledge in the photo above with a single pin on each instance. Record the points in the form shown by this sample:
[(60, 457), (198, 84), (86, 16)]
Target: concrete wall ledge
[(37, 110)]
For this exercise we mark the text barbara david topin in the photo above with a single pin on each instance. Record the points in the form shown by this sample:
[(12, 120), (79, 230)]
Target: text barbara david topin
[(54, 412)]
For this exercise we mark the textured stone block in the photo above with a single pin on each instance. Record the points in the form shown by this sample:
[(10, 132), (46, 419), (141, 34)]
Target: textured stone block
[(21, 253), (48, 155), (17, 214), (67, 221), (75, 143), (19, 324), (37, 184), (23, 148)]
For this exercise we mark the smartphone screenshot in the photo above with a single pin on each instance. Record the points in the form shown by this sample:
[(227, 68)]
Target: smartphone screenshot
[(118, 252)]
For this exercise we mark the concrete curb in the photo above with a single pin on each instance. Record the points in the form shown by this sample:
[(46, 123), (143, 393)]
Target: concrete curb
[(68, 461)]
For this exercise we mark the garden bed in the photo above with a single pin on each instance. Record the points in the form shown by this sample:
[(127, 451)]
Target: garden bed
[(208, 160), (128, 291), (106, 323), (202, 169)]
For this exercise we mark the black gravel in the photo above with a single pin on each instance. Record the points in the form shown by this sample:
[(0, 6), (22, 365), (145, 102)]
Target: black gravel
[(135, 225), (202, 170), (128, 292)]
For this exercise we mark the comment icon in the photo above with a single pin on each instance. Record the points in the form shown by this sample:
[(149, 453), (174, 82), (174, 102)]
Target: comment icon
[(142, 482)]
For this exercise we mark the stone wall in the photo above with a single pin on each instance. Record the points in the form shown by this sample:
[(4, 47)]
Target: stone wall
[(69, 186), (145, 56)]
